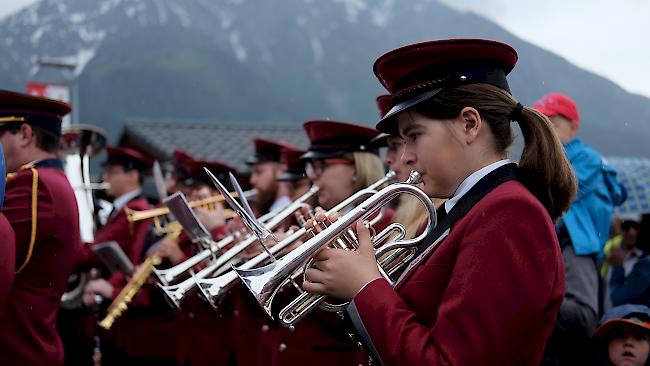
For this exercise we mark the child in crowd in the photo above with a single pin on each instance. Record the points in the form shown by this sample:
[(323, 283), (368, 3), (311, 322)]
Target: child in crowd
[(624, 336)]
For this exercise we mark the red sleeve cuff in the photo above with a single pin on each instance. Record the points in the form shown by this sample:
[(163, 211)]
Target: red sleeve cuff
[(366, 300)]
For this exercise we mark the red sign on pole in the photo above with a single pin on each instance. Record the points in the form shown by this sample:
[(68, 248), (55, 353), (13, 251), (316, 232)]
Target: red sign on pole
[(53, 91)]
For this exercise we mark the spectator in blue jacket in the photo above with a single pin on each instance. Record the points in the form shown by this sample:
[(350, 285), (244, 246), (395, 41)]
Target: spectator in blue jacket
[(582, 233)]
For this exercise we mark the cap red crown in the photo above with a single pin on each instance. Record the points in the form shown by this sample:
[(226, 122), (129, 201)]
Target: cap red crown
[(267, 150), (118, 155), (335, 136), (36, 111), (417, 72)]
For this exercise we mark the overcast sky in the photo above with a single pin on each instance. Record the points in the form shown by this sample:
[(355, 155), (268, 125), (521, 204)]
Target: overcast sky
[(608, 37)]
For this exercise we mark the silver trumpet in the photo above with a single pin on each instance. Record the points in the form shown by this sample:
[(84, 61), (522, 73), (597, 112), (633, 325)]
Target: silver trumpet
[(177, 292), (213, 289), (170, 275), (264, 282)]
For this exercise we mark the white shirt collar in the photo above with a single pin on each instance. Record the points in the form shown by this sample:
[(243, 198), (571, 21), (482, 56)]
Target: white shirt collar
[(122, 200), (471, 180)]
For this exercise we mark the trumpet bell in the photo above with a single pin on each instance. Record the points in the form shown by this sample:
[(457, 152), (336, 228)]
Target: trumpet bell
[(175, 293), (212, 289), (263, 282)]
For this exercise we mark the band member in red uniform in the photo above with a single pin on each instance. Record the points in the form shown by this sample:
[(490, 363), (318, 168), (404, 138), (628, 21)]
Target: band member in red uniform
[(340, 162), (145, 333), (488, 281), (205, 337), (295, 173), (41, 208), (7, 260), (409, 212), (176, 180), (266, 166), (124, 172), (7, 244)]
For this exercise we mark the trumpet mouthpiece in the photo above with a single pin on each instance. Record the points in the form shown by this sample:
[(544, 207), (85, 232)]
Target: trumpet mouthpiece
[(414, 177)]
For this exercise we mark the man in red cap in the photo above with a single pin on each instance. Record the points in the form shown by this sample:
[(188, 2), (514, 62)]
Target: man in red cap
[(266, 166), (124, 171), (177, 173), (582, 233), (40, 206)]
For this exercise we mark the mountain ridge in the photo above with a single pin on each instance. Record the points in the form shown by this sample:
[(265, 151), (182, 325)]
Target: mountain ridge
[(289, 61)]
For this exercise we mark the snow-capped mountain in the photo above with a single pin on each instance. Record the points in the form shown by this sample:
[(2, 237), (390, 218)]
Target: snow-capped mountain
[(289, 60)]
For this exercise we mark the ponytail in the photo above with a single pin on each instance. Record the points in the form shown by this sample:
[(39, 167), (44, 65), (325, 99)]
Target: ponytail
[(543, 167)]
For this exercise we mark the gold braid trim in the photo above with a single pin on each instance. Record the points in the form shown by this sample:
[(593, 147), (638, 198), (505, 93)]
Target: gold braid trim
[(32, 239)]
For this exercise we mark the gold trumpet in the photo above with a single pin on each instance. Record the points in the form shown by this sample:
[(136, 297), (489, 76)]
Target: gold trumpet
[(264, 282), (157, 214)]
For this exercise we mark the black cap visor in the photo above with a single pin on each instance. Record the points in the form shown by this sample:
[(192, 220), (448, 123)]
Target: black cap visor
[(321, 154)]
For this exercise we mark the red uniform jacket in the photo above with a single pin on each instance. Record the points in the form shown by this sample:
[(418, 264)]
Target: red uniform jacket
[(7, 259), (130, 237), (28, 323), (204, 336), (321, 338), (488, 295), (146, 329)]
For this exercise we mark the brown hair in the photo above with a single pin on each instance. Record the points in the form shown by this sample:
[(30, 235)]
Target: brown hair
[(45, 140), (543, 168)]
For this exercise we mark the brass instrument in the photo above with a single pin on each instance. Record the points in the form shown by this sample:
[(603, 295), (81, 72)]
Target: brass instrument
[(177, 292), (158, 214), (170, 275), (123, 299), (121, 302), (264, 282), (80, 143), (213, 289)]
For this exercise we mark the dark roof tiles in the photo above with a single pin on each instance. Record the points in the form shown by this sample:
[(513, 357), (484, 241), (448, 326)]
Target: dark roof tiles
[(231, 143)]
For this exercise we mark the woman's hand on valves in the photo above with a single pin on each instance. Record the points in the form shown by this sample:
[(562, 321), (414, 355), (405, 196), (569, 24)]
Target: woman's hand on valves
[(337, 272)]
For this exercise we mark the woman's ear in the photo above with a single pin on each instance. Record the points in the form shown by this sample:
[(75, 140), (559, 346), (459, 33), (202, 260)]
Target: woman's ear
[(471, 123)]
